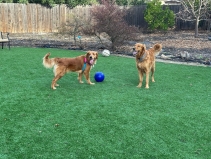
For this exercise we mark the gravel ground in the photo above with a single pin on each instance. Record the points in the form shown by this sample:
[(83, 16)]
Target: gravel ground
[(177, 46)]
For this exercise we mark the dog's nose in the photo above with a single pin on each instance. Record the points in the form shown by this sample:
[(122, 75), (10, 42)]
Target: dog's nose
[(133, 49), (90, 57)]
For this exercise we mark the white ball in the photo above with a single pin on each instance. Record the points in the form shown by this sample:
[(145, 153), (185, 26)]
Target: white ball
[(106, 53)]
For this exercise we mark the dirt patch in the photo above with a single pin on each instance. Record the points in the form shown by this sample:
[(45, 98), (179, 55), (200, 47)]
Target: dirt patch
[(183, 47), (177, 46)]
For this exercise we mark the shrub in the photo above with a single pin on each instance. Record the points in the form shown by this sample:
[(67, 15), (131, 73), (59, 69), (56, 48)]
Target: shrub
[(158, 17), (109, 19)]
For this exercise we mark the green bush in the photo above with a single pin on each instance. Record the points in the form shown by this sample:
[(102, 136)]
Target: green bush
[(159, 17)]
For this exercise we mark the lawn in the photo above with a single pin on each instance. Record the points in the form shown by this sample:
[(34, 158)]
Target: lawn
[(112, 119)]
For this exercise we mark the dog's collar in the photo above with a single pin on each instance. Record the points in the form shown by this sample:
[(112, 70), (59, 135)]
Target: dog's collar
[(142, 57), (85, 62)]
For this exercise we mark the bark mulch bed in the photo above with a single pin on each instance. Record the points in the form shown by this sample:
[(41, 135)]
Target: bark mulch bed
[(177, 46)]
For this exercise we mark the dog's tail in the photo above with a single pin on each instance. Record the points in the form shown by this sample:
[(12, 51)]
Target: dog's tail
[(157, 48), (48, 62)]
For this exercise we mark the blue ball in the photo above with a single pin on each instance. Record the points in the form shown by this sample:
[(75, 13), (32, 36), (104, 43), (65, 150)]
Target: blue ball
[(99, 76)]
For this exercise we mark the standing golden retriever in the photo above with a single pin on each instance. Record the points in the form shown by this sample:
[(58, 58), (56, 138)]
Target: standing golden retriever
[(81, 64), (145, 61)]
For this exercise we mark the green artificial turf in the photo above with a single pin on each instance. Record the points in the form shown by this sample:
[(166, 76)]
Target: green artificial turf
[(109, 120)]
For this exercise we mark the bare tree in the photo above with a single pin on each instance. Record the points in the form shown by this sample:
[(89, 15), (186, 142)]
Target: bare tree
[(194, 10), (72, 27)]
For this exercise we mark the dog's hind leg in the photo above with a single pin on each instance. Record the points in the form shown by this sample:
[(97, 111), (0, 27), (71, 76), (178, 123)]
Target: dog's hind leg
[(56, 78), (58, 74), (153, 72), (55, 73)]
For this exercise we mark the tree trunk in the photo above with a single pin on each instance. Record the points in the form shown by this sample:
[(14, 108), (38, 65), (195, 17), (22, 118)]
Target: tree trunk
[(197, 27)]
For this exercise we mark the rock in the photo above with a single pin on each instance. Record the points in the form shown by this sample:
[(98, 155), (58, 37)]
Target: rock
[(207, 62), (185, 55), (165, 57)]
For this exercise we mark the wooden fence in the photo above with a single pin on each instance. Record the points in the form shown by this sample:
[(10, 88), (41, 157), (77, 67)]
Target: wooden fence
[(35, 18)]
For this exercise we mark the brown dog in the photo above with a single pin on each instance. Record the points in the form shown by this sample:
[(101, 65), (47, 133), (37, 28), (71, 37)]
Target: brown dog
[(145, 61), (81, 64)]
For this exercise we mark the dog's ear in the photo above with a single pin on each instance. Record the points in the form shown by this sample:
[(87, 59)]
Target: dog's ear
[(144, 48), (96, 55), (87, 53)]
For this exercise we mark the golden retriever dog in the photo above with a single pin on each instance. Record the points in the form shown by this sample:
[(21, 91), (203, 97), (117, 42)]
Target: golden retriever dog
[(145, 61), (81, 64)]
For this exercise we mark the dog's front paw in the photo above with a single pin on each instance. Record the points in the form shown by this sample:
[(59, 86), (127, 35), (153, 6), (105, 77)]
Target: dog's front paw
[(91, 83), (139, 86), (81, 82)]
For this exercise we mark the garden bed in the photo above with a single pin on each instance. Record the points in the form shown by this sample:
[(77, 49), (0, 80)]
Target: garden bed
[(178, 46)]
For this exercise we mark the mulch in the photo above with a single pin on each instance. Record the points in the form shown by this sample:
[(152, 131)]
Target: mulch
[(174, 44)]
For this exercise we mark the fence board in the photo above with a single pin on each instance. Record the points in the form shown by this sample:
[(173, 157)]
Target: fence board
[(11, 16), (29, 18), (46, 20), (34, 18), (15, 19), (6, 15), (54, 18), (2, 18), (39, 18)]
